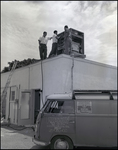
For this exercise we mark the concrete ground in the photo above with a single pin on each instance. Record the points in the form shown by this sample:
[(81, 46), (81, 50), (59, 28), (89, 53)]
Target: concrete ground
[(18, 139), (22, 139)]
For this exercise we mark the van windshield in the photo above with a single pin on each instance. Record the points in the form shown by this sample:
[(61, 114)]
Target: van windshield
[(60, 106)]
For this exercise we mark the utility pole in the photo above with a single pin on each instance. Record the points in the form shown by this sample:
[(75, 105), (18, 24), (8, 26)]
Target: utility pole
[(72, 54)]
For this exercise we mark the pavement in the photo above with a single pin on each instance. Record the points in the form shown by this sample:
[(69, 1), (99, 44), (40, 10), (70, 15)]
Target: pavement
[(18, 137)]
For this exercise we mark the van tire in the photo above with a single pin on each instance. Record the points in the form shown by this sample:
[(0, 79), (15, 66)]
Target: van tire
[(66, 141)]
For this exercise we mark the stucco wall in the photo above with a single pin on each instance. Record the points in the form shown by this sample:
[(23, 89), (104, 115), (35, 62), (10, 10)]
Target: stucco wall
[(35, 76), (86, 75), (57, 76), (90, 75)]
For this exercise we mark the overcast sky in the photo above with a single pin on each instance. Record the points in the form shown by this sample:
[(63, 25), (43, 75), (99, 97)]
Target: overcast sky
[(23, 22)]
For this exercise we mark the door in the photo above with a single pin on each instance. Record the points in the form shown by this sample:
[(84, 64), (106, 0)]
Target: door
[(37, 104), (58, 119), (26, 108), (13, 105)]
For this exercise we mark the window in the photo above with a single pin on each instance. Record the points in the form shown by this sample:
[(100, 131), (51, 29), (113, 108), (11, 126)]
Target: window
[(12, 95), (60, 106)]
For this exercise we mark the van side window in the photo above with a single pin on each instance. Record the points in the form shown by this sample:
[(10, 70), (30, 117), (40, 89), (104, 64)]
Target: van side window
[(60, 106)]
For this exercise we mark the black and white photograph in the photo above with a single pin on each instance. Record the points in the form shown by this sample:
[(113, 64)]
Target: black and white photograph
[(58, 75)]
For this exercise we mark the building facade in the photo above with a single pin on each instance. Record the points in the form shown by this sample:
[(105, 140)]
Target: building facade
[(31, 84)]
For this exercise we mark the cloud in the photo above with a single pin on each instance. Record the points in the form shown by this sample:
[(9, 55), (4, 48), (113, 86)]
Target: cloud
[(22, 22)]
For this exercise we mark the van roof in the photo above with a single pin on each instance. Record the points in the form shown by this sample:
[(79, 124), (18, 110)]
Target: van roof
[(83, 94), (60, 96)]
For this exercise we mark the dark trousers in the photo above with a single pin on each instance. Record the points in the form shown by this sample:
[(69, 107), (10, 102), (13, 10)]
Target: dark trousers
[(54, 49), (67, 46), (43, 51)]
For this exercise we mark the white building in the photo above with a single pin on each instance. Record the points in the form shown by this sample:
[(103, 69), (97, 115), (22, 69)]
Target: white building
[(24, 97)]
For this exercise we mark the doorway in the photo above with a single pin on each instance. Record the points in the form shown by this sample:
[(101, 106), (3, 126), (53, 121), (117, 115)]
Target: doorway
[(25, 115), (37, 104)]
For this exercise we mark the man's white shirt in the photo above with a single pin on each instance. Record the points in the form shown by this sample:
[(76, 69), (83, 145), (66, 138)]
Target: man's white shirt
[(44, 40), (54, 39)]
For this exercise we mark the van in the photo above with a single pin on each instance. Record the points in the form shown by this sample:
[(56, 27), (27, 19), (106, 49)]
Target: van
[(83, 118)]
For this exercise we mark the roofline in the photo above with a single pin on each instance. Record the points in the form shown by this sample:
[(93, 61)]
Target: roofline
[(76, 58), (80, 59), (68, 57)]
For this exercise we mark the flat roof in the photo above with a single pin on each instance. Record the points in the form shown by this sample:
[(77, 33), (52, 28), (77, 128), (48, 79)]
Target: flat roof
[(68, 57), (78, 59)]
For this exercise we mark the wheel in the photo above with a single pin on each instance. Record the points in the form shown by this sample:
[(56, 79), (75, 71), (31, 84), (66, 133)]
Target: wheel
[(61, 142)]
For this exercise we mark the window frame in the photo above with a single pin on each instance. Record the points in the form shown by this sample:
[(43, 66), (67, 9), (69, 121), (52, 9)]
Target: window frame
[(50, 110), (11, 99)]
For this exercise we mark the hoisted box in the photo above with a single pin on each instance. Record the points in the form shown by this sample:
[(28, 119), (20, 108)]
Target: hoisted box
[(77, 38)]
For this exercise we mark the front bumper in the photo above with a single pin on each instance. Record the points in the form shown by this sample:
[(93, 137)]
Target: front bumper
[(36, 141)]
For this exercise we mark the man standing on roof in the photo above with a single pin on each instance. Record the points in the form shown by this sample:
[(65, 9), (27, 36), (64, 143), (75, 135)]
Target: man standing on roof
[(54, 44), (43, 45), (67, 41)]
